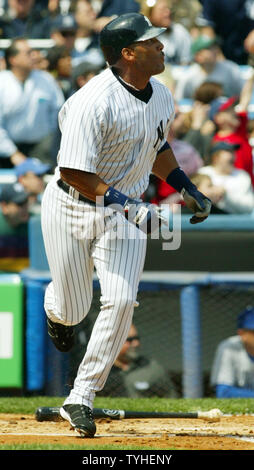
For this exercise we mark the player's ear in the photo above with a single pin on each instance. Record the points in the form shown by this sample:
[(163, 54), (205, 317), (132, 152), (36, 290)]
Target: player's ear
[(128, 54)]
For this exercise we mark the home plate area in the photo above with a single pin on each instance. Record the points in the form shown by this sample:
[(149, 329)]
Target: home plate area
[(228, 433)]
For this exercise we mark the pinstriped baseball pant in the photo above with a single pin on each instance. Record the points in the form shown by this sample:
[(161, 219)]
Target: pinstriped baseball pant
[(78, 239)]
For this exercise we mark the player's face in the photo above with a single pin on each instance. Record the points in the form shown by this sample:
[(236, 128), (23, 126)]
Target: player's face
[(247, 337), (149, 56)]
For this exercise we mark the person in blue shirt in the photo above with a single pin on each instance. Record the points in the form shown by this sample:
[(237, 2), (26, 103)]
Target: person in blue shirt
[(233, 367), (24, 19), (29, 104), (233, 22)]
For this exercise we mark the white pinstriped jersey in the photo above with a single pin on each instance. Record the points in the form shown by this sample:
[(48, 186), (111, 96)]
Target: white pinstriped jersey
[(110, 132), (232, 365)]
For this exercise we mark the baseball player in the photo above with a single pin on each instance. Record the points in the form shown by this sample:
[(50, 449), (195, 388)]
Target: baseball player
[(232, 373), (113, 136)]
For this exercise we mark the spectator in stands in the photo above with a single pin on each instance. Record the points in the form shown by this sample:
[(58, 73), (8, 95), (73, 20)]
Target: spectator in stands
[(23, 19), (208, 91), (111, 8), (59, 65), (39, 59), (29, 104), (215, 193), (134, 375), (208, 67), (31, 175), (250, 133), (79, 38), (82, 73), (86, 42), (192, 127), (232, 373), (14, 216), (231, 124), (58, 7), (3, 6), (63, 30), (233, 22), (238, 197), (186, 12), (177, 39)]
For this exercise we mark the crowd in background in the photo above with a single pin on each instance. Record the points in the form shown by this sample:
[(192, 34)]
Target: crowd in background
[(50, 48), (204, 67), (203, 64)]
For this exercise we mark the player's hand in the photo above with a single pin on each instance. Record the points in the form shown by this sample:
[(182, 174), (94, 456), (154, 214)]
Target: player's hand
[(197, 203), (147, 217)]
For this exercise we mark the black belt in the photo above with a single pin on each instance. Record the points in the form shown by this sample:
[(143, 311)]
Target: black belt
[(66, 188)]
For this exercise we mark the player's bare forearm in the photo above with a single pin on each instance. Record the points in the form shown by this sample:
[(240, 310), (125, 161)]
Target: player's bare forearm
[(165, 163), (88, 184)]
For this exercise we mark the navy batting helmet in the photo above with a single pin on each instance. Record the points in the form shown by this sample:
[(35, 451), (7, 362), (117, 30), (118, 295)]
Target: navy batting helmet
[(126, 29)]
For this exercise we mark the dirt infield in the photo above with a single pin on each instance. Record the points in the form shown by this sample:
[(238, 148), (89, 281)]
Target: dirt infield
[(229, 433)]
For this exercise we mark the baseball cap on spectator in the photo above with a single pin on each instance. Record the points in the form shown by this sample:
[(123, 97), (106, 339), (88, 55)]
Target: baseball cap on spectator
[(202, 42), (32, 164), (84, 68), (246, 319), (223, 145), (222, 103), (64, 23), (13, 193)]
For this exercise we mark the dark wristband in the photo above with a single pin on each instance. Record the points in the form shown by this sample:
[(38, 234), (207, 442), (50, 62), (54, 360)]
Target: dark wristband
[(179, 180)]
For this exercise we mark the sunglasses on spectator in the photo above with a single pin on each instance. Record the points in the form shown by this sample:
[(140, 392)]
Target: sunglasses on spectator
[(132, 338), (65, 34)]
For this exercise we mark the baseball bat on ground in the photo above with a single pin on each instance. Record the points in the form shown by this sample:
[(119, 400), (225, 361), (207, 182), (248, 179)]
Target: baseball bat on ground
[(46, 413)]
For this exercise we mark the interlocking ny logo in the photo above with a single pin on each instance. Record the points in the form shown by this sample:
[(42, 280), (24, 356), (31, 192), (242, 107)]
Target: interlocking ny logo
[(160, 132)]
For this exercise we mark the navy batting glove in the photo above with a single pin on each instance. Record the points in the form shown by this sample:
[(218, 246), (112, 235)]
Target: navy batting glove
[(197, 203), (194, 199)]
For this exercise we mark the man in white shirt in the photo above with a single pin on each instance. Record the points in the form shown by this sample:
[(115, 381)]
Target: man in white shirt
[(238, 197), (29, 104)]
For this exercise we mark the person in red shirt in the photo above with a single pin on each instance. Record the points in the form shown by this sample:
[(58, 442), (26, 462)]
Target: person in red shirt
[(230, 116)]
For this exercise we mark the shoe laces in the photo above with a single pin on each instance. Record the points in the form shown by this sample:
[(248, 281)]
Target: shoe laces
[(86, 412)]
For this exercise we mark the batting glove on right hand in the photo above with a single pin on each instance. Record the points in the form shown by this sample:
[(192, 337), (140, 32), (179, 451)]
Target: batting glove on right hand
[(198, 203), (147, 217)]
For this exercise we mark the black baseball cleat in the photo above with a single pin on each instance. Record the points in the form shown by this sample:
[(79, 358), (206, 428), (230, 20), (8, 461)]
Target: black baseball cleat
[(61, 335), (81, 418)]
